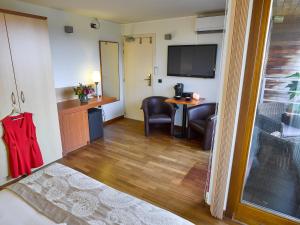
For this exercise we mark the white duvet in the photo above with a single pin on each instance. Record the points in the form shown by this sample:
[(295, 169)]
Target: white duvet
[(14, 211)]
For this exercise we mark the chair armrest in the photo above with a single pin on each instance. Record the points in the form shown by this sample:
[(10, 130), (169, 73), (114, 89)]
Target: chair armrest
[(209, 132), (201, 112), (169, 108), (195, 113), (212, 117), (268, 124), (210, 124), (296, 157), (275, 151), (144, 107)]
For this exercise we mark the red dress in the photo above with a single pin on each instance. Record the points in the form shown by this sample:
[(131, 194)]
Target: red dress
[(20, 138)]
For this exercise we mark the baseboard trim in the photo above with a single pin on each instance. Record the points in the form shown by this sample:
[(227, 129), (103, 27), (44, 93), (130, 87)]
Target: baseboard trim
[(113, 120)]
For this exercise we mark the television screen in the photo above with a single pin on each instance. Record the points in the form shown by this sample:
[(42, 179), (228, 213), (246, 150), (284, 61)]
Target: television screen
[(192, 60)]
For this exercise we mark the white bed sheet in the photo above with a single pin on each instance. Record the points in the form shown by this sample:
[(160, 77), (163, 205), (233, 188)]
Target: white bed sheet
[(15, 211)]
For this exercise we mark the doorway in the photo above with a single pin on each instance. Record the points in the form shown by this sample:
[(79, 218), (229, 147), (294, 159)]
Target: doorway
[(265, 183), (138, 62)]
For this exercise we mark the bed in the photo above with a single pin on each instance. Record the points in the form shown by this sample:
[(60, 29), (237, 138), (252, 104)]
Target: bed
[(58, 194), (14, 211)]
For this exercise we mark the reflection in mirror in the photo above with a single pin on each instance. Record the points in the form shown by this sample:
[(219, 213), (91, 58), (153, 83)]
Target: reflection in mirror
[(109, 64)]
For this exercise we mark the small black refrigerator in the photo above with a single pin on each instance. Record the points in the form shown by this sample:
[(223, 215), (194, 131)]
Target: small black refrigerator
[(95, 123)]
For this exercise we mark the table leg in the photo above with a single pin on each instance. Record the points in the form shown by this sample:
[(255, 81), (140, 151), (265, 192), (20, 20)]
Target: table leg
[(183, 128), (182, 134)]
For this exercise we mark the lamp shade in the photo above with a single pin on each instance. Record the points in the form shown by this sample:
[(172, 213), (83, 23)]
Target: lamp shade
[(96, 76)]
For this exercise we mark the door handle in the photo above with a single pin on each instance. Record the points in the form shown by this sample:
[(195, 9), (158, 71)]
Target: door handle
[(149, 79), (22, 97)]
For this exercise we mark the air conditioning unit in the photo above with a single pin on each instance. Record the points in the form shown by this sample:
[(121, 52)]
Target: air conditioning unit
[(211, 24)]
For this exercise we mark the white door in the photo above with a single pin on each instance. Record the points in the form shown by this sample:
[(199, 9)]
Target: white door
[(138, 62), (8, 92), (32, 63)]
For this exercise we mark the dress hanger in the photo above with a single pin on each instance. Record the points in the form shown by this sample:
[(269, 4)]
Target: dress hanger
[(15, 112)]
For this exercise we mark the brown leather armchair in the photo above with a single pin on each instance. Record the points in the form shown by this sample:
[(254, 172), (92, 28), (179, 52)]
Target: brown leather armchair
[(157, 111), (201, 120)]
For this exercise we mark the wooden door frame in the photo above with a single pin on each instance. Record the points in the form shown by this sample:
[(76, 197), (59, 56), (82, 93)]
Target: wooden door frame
[(253, 71), (235, 42), (7, 11)]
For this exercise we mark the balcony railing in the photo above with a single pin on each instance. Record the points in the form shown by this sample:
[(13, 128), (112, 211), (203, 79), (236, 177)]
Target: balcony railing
[(274, 89)]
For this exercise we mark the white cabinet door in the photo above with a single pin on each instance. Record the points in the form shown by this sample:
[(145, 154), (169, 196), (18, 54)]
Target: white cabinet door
[(31, 55), (7, 89)]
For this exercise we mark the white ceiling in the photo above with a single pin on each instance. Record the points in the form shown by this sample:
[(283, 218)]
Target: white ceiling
[(126, 11)]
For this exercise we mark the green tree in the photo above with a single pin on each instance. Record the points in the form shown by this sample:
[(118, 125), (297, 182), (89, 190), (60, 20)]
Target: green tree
[(293, 86)]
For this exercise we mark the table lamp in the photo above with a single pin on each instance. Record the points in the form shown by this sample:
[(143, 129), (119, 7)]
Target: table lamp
[(96, 79)]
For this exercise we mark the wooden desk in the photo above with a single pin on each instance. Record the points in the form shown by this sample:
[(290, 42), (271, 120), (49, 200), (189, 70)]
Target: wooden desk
[(73, 121), (184, 103)]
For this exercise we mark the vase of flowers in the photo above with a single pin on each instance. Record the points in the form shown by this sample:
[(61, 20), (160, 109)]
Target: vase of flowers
[(83, 91)]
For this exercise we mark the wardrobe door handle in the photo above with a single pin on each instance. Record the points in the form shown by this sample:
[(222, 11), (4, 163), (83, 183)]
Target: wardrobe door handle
[(22, 97), (13, 98)]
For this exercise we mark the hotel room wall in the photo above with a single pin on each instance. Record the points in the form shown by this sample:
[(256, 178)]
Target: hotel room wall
[(183, 32), (75, 56)]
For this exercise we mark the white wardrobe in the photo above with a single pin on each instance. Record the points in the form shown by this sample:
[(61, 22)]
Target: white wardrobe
[(26, 80)]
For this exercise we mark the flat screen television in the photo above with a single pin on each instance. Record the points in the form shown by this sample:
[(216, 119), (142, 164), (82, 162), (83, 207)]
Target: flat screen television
[(192, 60)]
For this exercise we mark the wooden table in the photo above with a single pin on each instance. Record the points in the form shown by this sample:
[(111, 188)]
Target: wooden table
[(184, 104), (73, 121)]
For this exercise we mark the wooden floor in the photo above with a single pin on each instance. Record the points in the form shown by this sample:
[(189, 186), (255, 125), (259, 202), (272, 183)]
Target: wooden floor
[(165, 171)]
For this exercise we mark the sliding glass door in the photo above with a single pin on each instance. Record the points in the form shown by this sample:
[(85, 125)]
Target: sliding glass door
[(267, 151)]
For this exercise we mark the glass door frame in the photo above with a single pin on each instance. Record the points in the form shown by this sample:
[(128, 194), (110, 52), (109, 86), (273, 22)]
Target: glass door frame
[(236, 209)]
